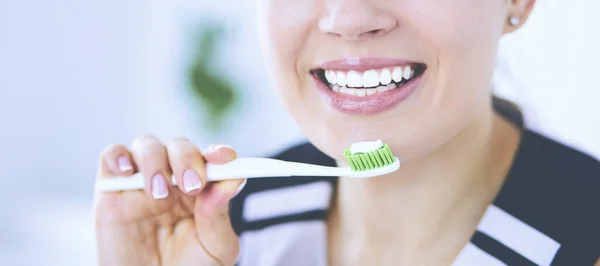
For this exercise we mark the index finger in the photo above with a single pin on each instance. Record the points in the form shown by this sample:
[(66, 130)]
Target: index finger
[(115, 160)]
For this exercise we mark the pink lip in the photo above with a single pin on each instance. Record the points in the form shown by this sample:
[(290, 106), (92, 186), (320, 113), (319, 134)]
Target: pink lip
[(362, 64)]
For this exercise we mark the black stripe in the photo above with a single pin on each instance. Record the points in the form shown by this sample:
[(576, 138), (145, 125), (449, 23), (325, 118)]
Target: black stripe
[(499, 251), (317, 215), (237, 204), (569, 255)]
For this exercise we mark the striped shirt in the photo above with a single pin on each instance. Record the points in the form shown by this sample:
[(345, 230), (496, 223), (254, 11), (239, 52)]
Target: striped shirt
[(547, 212)]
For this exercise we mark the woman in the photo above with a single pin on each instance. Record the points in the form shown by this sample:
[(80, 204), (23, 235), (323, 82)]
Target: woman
[(475, 187)]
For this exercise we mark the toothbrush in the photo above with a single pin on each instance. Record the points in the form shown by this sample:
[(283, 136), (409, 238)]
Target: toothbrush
[(365, 159)]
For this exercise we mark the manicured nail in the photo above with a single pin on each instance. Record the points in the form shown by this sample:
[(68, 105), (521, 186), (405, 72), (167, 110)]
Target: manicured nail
[(221, 146), (215, 148), (124, 164), (159, 187), (191, 180), (240, 187)]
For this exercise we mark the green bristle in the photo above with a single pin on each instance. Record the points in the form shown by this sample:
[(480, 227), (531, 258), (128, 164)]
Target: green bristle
[(358, 162), (349, 160), (368, 161)]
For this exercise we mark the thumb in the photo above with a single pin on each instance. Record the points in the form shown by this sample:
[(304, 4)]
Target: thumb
[(213, 224)]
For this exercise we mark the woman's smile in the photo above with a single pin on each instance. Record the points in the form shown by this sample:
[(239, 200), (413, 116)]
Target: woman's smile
[(364, 86)]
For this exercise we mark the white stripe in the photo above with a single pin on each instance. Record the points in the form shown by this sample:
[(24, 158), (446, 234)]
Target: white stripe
[(471, 255), (285, 201), (518, 236), (289, 244)]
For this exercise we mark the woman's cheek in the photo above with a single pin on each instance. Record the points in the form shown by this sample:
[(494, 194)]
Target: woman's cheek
[(290, 24)]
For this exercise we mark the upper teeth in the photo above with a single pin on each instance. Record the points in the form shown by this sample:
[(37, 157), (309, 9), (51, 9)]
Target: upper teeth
[(397, 74), (340, 78), (370, 78)]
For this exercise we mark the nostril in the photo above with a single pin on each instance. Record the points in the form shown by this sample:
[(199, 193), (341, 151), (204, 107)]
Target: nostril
[(333, 34), (372, 33)]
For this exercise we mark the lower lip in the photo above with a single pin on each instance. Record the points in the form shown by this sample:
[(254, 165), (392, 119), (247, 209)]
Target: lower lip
[(368, 105)]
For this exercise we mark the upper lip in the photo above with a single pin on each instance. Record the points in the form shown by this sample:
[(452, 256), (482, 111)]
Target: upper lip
[(363, 64)]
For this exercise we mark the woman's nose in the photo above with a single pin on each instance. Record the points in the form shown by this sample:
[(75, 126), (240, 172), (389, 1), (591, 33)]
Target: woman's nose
[(356, 20)]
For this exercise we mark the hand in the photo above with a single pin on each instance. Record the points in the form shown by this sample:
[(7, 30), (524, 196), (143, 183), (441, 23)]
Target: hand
[(163, 224)]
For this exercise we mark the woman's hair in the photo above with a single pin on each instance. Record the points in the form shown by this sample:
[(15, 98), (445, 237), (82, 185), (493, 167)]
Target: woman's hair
[(509, 110), (505, 82)]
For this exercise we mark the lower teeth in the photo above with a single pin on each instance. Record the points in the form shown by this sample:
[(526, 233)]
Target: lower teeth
[(362, 92)]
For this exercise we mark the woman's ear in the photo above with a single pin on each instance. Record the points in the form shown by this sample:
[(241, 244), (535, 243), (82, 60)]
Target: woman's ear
[(518, 13)]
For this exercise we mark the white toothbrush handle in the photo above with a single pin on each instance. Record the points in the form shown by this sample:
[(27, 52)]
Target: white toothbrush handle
[(236, 169)]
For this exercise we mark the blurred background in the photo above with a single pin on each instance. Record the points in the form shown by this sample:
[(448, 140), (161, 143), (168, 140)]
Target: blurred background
[(77, 75)]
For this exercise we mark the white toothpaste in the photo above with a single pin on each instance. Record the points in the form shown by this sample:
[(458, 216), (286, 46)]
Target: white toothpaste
[(365, 147)]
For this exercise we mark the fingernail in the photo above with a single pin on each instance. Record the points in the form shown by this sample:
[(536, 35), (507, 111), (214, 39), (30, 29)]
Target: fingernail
[(191, 180), (221, 146), (240, 187), (214, 148), (159, 187), (124, 164)]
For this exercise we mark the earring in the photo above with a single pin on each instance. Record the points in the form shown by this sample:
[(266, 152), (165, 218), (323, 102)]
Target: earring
[(514, 20)]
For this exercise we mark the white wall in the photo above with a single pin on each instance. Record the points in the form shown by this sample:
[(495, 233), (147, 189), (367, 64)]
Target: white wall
[(553, 69), (78, 75)]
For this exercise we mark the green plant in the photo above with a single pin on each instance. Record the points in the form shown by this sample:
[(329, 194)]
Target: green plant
[(209, 87)]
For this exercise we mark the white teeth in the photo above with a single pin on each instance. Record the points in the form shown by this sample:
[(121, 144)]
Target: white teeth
[(361, 92), (407, 74), (351, 91), (373, 81), (397, 74), (354, 79), (341, 79), (330, 76), (385, 77), (370, 79)]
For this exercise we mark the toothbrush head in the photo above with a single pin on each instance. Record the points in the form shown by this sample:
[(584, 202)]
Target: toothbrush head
[(370, 155)]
